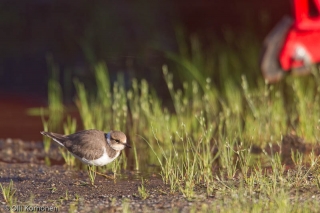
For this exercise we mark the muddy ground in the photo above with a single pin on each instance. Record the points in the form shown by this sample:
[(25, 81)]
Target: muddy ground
[(70, 190)]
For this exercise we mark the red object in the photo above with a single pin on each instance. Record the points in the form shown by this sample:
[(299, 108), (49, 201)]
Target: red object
[(302, 44), (293, 45)]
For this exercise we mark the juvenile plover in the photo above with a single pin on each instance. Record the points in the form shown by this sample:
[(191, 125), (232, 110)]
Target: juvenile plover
[(92, 147)]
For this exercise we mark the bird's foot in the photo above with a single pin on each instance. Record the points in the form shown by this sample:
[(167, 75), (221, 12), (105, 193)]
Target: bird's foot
[(106, 176)]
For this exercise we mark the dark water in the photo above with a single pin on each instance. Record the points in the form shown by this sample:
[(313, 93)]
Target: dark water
[(14, 120)]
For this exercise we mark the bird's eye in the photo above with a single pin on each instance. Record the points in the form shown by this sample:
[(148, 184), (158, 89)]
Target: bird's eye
[(118, 141)]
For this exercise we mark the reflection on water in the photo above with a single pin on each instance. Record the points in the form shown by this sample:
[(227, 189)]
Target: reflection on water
[(138, 175)]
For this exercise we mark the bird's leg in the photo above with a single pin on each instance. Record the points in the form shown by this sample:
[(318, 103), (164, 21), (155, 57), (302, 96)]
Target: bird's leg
[(92, 172)]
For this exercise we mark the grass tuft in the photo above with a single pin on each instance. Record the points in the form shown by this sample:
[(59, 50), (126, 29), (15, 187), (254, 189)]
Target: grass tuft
[(143, 192), (8, 193)]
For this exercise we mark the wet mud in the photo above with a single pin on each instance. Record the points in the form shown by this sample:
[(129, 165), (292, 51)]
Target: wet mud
[(69, 189)]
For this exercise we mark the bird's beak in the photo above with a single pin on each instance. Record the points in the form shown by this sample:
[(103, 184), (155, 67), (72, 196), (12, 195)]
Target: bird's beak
[(127, 145)]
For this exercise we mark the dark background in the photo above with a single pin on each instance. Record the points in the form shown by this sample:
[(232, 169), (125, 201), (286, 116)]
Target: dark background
[(130, 36)]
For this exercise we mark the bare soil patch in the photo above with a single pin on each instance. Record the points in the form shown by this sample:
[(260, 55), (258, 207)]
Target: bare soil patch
[(68, 189)]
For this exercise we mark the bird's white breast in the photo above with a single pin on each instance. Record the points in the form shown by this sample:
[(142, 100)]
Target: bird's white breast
[(103, 160)]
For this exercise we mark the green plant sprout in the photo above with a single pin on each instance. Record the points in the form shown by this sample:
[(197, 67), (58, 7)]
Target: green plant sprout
[(143, 193), (8, 193)]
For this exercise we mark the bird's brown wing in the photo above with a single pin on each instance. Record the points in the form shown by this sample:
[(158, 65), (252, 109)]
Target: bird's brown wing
[(86, 144)]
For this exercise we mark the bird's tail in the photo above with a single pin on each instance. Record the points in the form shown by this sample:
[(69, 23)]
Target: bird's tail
[(55, 136)]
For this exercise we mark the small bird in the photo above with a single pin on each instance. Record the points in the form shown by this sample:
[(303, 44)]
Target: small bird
[(92, 147)]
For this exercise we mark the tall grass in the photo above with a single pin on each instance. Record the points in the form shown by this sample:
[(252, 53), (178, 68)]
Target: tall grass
[(52, 116), (183, 142), (206, 139)]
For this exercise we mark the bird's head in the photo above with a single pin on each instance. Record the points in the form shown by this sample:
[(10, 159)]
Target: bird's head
[(117, 140)]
